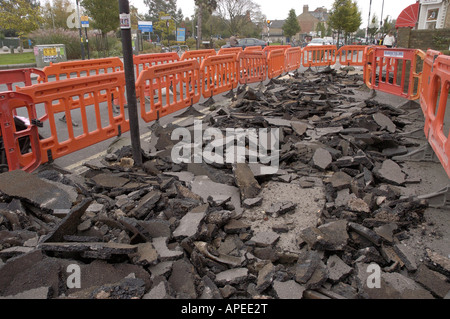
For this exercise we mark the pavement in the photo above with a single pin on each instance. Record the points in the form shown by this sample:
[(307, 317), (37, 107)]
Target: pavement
[(434, 234)]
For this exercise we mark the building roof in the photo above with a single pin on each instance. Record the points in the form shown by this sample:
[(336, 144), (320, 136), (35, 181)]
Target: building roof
[(277, 24)]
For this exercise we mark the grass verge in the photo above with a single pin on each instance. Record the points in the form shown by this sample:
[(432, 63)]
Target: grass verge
[(17, 58)]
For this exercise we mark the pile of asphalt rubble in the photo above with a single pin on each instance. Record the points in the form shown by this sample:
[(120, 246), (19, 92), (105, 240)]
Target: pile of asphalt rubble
[(318, 227)]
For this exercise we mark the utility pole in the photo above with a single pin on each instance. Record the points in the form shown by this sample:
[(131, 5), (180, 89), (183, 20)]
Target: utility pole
[(381, 19), (368, 23), (87, 43), (125, 26), (79, 29)]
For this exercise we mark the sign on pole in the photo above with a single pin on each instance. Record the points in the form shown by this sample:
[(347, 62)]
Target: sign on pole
[(181, 34), (145, 26), (84, 21), (125, 21)]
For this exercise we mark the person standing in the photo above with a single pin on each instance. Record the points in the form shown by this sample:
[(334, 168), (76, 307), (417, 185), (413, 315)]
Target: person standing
[(233, 41), (389, 40)]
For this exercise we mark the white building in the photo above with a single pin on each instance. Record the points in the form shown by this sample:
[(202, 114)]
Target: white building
[(434, 14)]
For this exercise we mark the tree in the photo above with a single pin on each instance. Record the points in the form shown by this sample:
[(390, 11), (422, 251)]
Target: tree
[(291, 26), (23, 16), (320, 29), (167, 6), (104, 14), (55, 15), (387, 26), (210, 6), (160, 27), (345, 17), (373, 27), (239, 14)]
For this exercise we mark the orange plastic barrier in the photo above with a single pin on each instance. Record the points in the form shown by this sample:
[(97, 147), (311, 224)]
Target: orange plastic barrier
[(17, 154), (76, 69), (324, 55), (256, 48), (10, 77), (353, 55), (428, 68), (219, 74), (394, 71), (293, 59), (276, 47), (275, 63), (59, 96), (184, 82), (144, 61), (368, 56), (437, 106), (198, 55), (235, 51), (252, 67)]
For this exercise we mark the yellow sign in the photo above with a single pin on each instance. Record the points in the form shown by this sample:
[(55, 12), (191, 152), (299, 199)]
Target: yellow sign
[(50, 52)]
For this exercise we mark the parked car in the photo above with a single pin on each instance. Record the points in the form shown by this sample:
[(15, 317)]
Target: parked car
[(317, 42), (248, 42)]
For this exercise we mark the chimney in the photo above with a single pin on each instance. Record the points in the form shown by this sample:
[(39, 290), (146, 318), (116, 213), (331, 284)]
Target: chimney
[(305, 8)]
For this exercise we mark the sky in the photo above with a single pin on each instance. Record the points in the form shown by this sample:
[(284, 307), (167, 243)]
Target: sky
[(279, 9)]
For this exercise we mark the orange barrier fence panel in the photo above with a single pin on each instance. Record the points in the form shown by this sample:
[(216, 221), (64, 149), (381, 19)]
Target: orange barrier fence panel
[(369, 69), (293, 59), (10, 77), (235, 51), (276, 47), (438, 133), (395, 71), (275, 63), (351, 55), (255, 48), (219, 74), (143, 62), (76, 69), (428, 68), (252, 67), (168, 96), (22, 148), (198, 55), (324, 55), (58, 97)]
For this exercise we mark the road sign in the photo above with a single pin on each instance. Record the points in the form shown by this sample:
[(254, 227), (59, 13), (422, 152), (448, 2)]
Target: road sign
[(166, 18), (84, 21), (181, 34), (145, 26)]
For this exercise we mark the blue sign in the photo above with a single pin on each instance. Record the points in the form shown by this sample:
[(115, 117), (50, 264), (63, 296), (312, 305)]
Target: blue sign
[(181, 34), (84, 21), (145, 26)]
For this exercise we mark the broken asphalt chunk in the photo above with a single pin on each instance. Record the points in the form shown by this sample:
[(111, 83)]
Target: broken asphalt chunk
[(29, 187), (190, 223), (366, 233), (322, 159), (391, 172), (331, 236), (245, 180)]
